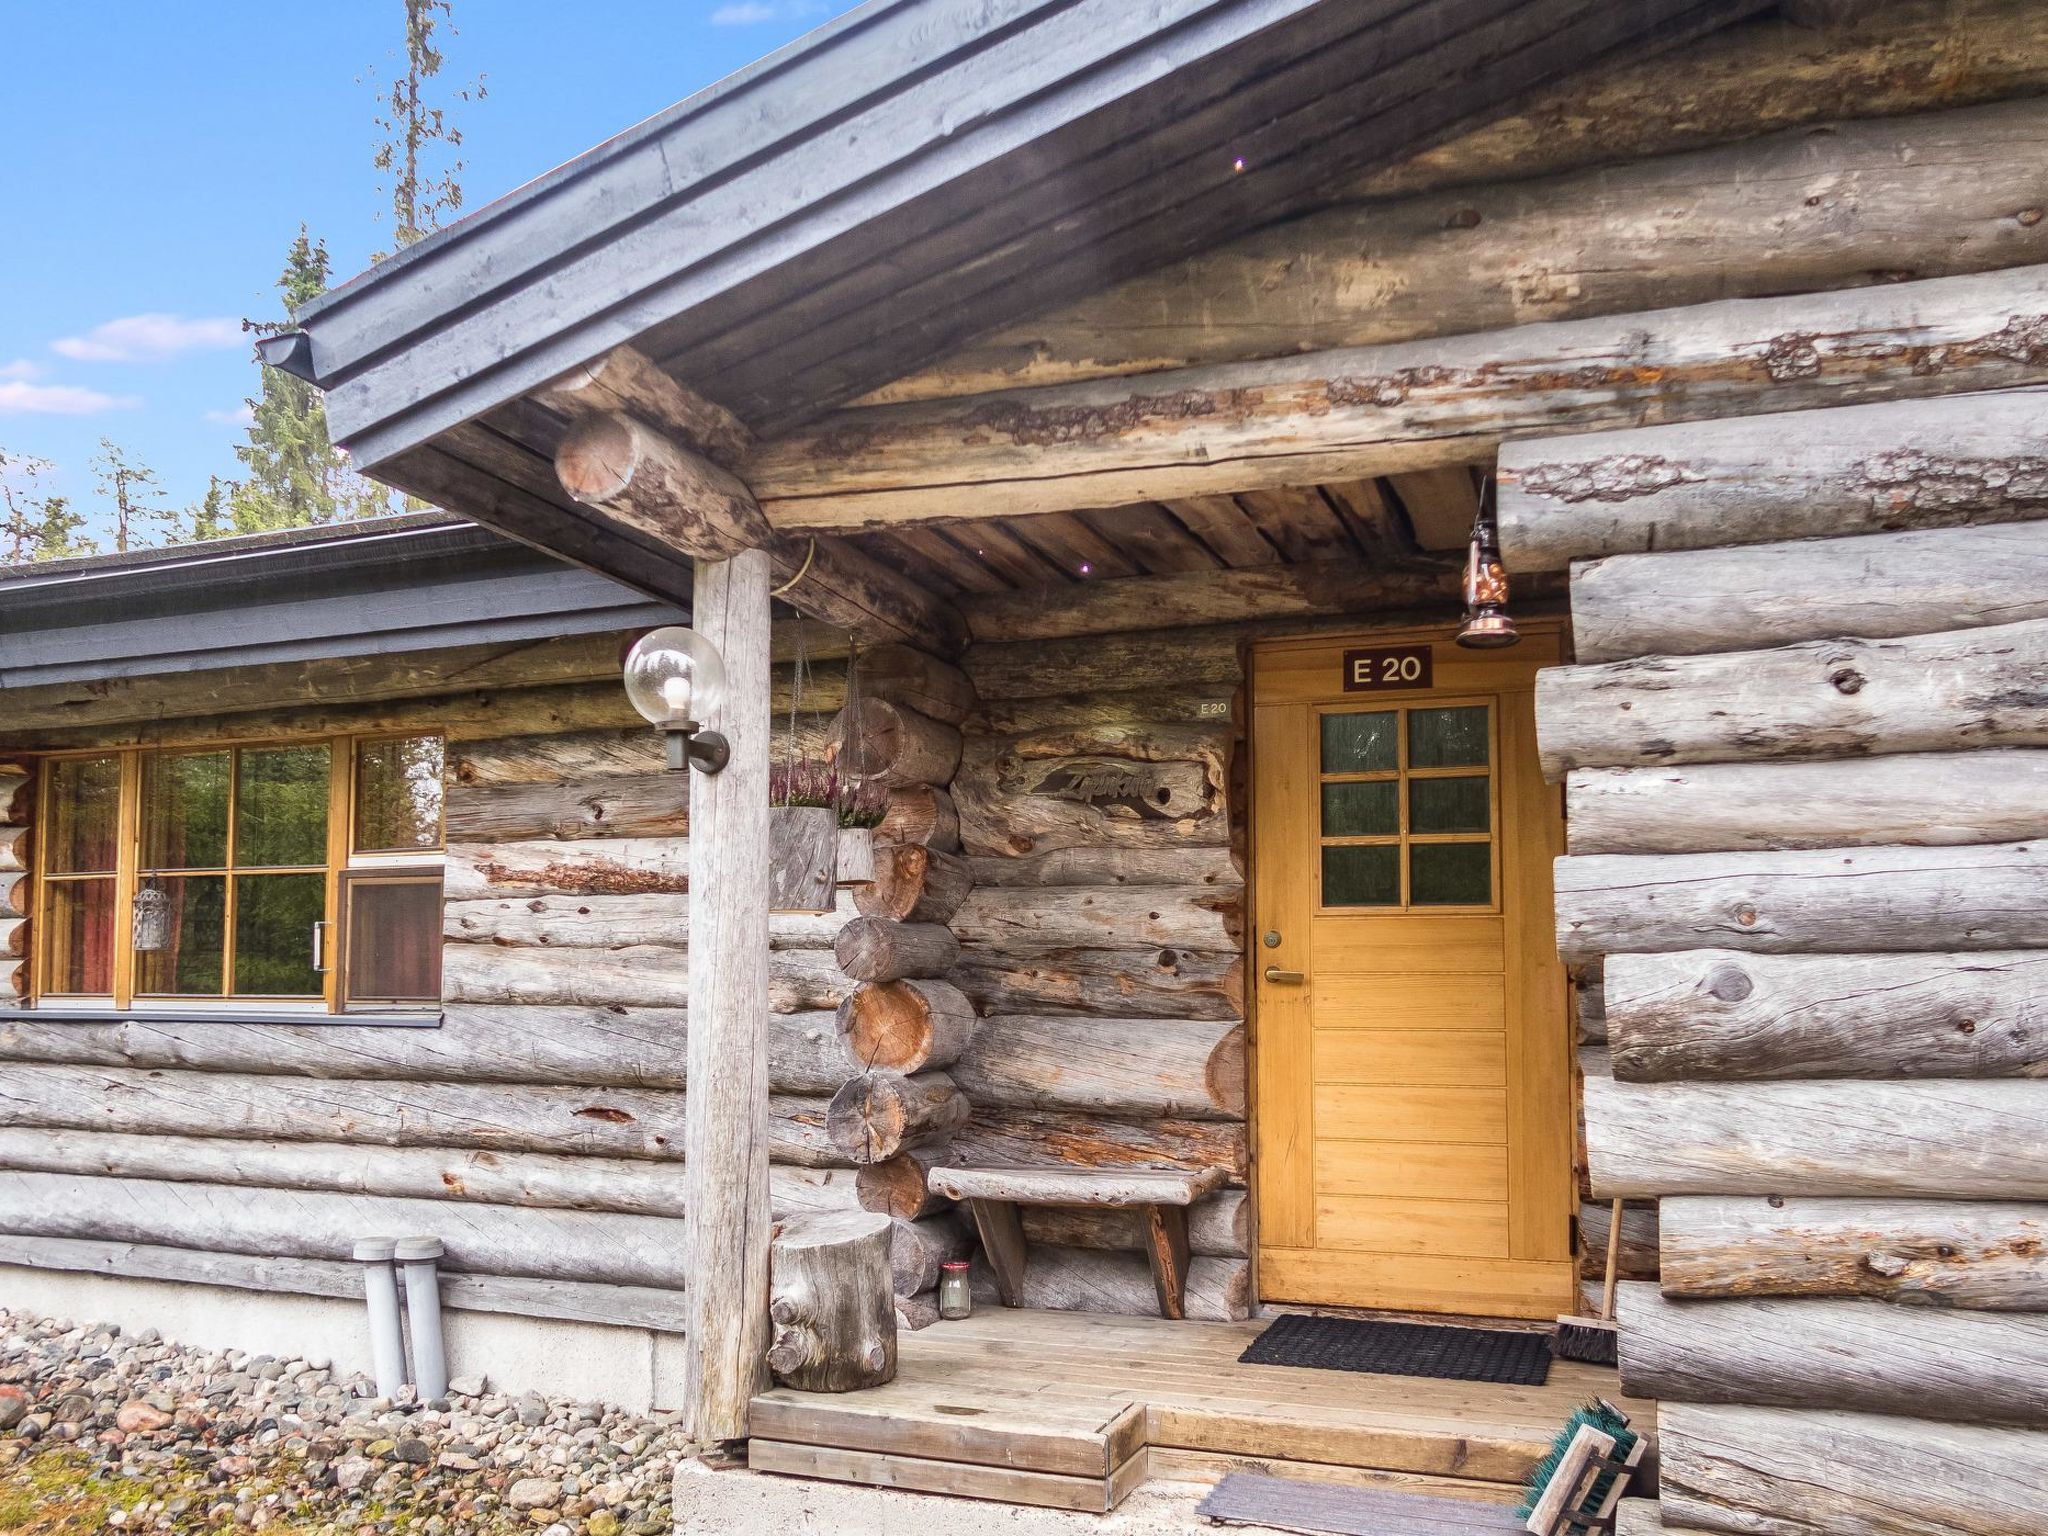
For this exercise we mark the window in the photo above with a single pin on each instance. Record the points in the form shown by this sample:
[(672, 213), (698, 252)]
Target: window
[(1408, 807), (302, 873)]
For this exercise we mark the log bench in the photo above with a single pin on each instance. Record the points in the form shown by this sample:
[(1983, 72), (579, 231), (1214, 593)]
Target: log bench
[(996, 1196)]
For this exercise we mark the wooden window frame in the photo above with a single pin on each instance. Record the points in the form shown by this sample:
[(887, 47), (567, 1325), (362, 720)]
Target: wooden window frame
[(129, 871)]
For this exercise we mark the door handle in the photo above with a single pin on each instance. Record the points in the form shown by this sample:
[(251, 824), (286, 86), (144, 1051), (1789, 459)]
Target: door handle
[(1292, 978)]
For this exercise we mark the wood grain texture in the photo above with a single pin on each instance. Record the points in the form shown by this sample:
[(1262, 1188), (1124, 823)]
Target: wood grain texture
[(1863, 468), (1878, 585), (1837, 900), (905, 1026), (306, 1224), (1022, 920), (1720, 1014), (830, 1301), (1120, 1284), (1787, 1472), (878, 1114), (1000, 1136), (1859, 1355), (882, 949), (1219, 1226), (1976, 1256), (633, 976), (1131, 983), (1944, 1140), (1191, 1069), (1127, 785), (1920, 798), (617, 921), (895, 745), (1820, 699), (619, 866), (914, 884)]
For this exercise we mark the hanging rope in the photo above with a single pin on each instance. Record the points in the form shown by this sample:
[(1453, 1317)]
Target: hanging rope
[(802, 571)]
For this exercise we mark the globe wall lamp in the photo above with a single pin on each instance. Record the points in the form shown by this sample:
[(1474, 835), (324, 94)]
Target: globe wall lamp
[(674, 676)]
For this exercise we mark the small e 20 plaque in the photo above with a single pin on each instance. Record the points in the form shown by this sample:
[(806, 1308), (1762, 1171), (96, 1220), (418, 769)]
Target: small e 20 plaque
[(1387, 667)]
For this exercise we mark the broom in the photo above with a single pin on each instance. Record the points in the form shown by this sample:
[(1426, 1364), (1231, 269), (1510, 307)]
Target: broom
[(1609, 1420), (1594, 1340)]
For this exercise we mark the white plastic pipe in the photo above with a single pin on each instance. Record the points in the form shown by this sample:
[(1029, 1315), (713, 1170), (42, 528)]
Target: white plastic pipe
[(420, 1258), (380, 1292)]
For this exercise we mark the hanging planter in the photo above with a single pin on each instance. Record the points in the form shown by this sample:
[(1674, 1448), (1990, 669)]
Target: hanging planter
[(803, 858), (861, 809)]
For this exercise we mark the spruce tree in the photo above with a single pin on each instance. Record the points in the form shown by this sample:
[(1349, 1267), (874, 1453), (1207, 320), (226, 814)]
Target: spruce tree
[(415, 130), (208, 517), (140, 516), (295, 476), (38, 525)]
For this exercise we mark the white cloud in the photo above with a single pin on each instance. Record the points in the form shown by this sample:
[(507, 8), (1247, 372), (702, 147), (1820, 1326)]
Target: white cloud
[(18, 397), (149, 338), (751, 13), (21, 368), (241, 416)]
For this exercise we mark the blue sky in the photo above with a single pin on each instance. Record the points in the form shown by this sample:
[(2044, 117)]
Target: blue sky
[(161, 155)]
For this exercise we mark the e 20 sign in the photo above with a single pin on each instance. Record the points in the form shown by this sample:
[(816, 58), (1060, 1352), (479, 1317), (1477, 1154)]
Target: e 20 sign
[(1388, 667)]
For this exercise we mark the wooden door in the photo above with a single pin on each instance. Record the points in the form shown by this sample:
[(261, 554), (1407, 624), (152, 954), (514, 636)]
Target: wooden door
[(1413, 1084)]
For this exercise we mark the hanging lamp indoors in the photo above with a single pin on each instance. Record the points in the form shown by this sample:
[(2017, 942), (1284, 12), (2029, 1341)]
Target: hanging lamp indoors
[(1487, 625), (149, 916)]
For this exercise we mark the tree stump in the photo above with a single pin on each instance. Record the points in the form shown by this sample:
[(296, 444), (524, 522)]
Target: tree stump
[(832, 1303)]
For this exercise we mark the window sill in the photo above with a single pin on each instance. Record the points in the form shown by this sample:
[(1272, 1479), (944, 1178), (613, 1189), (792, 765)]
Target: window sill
[(418, 1018)]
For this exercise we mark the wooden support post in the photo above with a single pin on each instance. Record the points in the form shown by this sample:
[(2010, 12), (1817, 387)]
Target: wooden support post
[(1166, 1243), (1002, 1239), (726, 1167)]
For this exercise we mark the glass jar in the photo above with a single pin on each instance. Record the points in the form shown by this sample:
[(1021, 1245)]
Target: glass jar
[(956, 1297)]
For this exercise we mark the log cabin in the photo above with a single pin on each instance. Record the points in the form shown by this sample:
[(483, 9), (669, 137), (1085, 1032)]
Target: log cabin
[(1077, 420)]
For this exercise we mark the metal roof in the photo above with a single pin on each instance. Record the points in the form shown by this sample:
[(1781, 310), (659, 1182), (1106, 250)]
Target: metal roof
[(914, 173)]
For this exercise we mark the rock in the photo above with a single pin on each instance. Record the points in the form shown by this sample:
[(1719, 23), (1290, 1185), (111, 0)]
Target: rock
[(413, 1450), (139, 1417), (351, 1472), (468, 1386), (12, 1411), (533, 1493), (73, 1408), (603, 1523)]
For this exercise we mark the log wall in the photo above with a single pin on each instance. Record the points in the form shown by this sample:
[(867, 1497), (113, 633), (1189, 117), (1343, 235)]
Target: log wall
[(1806, 806)]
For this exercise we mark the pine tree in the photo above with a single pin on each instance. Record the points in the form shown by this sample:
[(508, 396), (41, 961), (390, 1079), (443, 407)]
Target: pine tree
[(139, 512), (295, 476), (208, 517), (39, 525), (416, 132)]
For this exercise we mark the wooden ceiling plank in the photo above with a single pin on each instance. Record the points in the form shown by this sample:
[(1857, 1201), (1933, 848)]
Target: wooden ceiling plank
[(928, 548), (1016, 562), (1377, 522), (1077, 548), (890, 549), (1304, 527), (1441, 504), (1151, 538), (1228, 530)]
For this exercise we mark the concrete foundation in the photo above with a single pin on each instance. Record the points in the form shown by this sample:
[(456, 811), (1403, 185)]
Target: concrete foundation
[(634, 1368)]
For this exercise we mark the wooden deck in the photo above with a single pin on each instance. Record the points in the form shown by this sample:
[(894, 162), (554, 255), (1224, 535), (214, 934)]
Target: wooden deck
[(1073, 1411)]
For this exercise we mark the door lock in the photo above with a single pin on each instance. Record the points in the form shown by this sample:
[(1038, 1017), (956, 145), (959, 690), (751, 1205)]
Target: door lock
[(1292, 978)]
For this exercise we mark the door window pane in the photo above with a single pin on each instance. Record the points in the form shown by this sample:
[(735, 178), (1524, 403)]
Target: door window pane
[(1447, 738), (185, 811), (398, 795), (77, 931), (1450, 874), (84, 814), (1448, 805), (1368, 876), (1361, 743), (274, 918), (189, 964), (1369, 809), (394, 939), (281, 807)]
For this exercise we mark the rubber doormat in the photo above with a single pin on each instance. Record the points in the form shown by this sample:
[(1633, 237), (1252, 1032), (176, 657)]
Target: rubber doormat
[(1508, 1356)]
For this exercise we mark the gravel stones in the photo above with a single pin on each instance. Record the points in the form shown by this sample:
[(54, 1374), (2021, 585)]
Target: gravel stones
[(179, 1440)]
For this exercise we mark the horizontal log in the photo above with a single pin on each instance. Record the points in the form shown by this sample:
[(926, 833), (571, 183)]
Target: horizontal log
[(918, 1248), (1187, 703), (1924, 798), (618, 866), (900, 1186), (1589, 1007), (1352, 413), (903, 674), (1848, 900), (1191, 1069), (1032, 919), (15, 782), (561, 756), (1204, 867), (1637, 1257), (579, 1301), (1719, 1014), (14, 894), (1879, 585), (1842, 206), (905, 1026), (922, 814), (476, 1042), (1862, 1356), (879, 1114), (1152, 984), (882, 949), (1218, 1226), (1866, 468), (914, 884), (1794, 1472), (1935, 1139), (638, 976), (625, 380), (1820, 699), (1974, 1256), (16, 848), (1158, 663), (302, 1224), (1120, 1284), (13, 937), (427, 1173), (893, 744), (1002, 1137), (640, 478), (621, 806), (608, 1122), (1130, 785), (915, 1313), (613, 922)]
